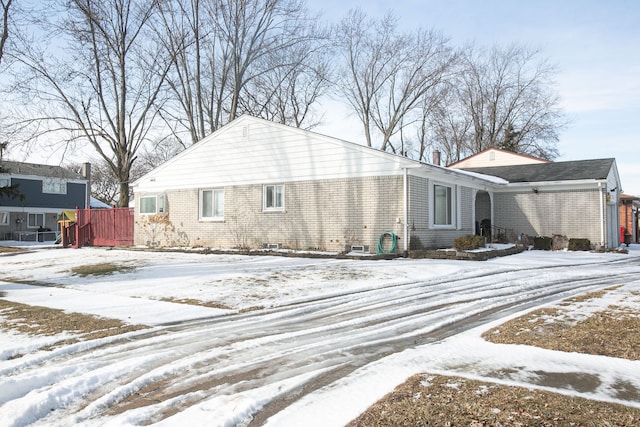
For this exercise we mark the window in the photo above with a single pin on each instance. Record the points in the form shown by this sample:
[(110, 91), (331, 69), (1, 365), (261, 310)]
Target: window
[(151, 205), (54, 186), (273, 197), (212, 204), (4, 218), (443, 205), (5, 182), (35, 220)]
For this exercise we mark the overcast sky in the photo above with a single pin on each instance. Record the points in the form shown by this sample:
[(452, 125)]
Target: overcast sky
[(594, 44)]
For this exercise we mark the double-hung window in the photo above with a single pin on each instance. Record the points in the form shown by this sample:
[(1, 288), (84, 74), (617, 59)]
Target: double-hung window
[(35, 220), (273, 197), (444, 206), (212, 204)]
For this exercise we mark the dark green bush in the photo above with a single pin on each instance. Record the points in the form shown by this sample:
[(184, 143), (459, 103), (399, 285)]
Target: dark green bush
[(542, 243), (579, 245), (468, 243)]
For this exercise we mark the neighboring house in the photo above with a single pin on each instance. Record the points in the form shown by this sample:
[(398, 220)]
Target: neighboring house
[(255, 183), (45, 191), (575, 199), (495, 157), (629, 216)]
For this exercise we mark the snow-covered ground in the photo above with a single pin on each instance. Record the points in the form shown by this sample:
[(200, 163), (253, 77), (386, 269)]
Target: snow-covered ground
[(345, 324)]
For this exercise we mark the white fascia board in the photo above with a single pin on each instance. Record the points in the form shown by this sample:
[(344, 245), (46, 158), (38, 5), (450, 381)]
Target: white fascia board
[(582, 184), (459, 177)]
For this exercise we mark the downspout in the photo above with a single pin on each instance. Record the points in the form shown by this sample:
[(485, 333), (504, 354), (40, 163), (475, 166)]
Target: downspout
[(602, 219), (406, 211)]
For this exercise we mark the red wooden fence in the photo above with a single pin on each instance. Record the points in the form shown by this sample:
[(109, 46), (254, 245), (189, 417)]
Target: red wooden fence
[(101, 227)]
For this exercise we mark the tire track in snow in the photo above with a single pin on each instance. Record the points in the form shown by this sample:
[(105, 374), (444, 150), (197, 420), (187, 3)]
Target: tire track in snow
[(188, 363)]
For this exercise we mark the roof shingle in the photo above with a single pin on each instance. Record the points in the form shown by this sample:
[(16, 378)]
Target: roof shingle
[(596, 169)]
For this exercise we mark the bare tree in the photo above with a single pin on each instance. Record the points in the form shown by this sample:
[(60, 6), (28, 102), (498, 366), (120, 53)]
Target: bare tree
[(238, 56), (508, 94), (289, 94), (388, 74), (105, 91), (4, 31)]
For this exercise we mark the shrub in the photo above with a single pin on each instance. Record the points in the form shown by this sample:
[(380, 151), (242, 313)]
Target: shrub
[(468, 243), (579, 245), (542, 243)]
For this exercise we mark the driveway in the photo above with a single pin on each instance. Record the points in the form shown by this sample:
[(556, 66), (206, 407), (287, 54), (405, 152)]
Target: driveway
[(321, 359)]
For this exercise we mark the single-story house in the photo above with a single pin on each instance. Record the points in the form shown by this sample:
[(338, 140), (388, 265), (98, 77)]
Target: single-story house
[(255, 183), (44, 192), (574, 198)]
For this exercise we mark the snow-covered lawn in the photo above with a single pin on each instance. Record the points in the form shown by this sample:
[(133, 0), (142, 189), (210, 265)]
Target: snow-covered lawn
[(144, 295)]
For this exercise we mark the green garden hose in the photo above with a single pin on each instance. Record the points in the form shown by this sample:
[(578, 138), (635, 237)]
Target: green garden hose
[(394, 241)]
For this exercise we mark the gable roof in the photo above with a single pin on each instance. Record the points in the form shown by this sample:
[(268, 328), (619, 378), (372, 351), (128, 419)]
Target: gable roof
[(594, 169), (34, 169), (251, 150), (497, 156)]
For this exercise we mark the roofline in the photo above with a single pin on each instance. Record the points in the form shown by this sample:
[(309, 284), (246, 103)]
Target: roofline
[(404, 162), (556, 185)]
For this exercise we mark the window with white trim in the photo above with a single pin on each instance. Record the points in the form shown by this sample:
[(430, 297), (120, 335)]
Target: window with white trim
[(5, 182), (273, 197), (153, 204), (4, 218), (443, 205), (35, 220), (54, 186), (212, 204)]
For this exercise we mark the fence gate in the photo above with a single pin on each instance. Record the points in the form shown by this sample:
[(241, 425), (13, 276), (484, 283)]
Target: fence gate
[(101, 227)]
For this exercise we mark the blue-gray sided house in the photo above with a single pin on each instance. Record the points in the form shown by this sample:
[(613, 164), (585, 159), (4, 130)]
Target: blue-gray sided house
[(255, 184), (43, 192)]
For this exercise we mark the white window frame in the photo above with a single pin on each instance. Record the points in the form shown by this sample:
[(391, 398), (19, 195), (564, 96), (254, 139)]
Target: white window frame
[(217, 204), (54, 186), (4, 218), (159, 205), (35, 223), (451, 198), (272, 205), (5, 182)]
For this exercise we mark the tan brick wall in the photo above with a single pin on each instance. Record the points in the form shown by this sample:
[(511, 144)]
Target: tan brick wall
[(575, 214), (325, 215)]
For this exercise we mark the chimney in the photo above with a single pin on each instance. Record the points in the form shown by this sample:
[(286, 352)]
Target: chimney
[(436, 158), (86, 172)]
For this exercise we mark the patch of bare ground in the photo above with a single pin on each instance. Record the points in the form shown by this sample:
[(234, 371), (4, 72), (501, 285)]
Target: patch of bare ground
[(8, 249), (35, 320), (613, 332), (432, 400), (193, 301), (425, 400)]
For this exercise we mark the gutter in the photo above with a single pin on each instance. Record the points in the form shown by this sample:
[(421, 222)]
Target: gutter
[(602, 219), (405, 183)]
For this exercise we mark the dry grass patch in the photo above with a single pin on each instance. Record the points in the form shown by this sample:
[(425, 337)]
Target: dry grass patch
[(7, 249), (448, 401), (101, 269), (193, 301), (612, 333), (425, 400), (35, 320)]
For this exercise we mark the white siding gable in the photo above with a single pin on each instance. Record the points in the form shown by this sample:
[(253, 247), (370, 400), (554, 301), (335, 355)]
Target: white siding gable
[(251, 151), (495, 157)]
